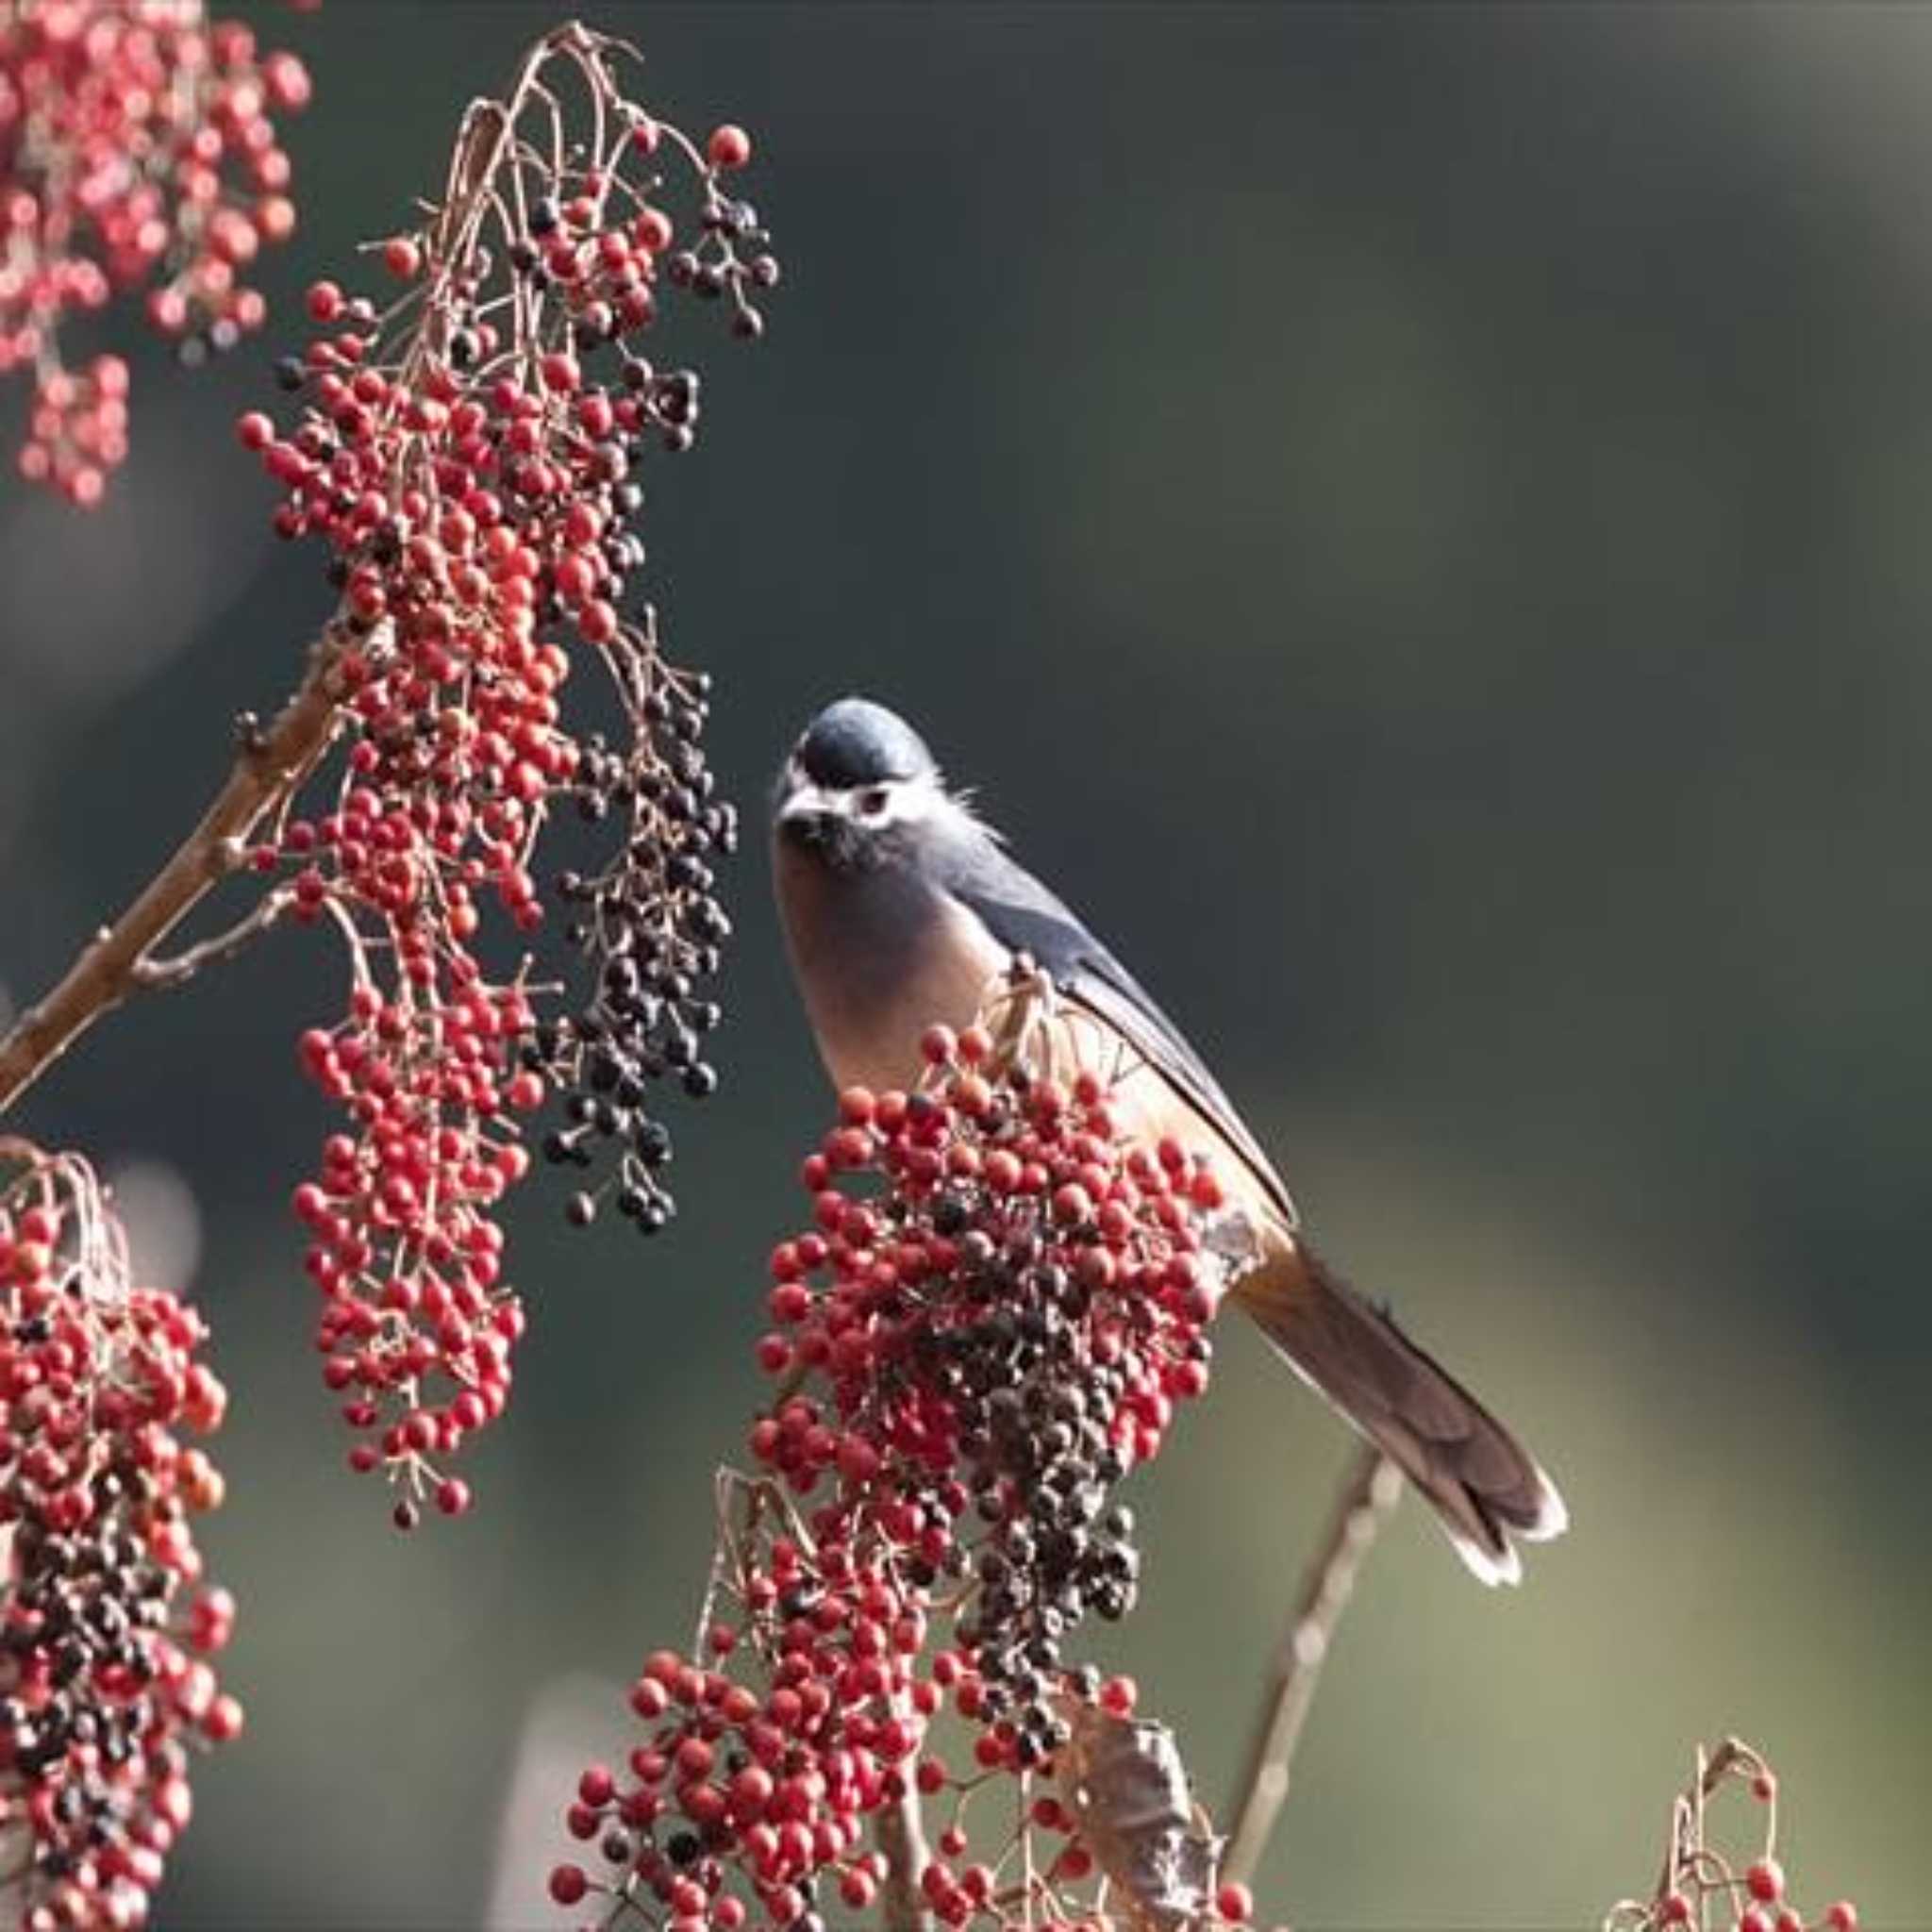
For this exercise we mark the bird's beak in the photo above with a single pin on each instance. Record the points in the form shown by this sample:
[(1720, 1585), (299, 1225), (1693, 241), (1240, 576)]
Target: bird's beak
[(809, 815)]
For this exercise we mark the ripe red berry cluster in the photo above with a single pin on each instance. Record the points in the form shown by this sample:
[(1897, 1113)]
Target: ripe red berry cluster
[(137, 148), (1705, 1888), (472, 459), (998, 1307), (78, 429), (417, 1324), (105, 1687)]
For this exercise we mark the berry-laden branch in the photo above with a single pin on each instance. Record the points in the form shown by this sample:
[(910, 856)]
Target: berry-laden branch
[(137, 149), (1369, 1491), (1701, 1887), (997, 1309), (105, 1687), (470, 458)]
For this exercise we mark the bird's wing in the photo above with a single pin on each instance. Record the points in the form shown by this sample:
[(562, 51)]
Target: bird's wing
[(1024, 916)]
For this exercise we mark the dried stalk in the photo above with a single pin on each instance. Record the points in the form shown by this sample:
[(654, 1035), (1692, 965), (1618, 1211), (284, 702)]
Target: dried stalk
[(119, 959), (902, 1839), (1367, 1493)]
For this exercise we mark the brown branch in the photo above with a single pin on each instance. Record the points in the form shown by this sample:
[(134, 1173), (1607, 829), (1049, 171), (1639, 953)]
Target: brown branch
[(117, 960), (902, 1839), (1367, 1495)]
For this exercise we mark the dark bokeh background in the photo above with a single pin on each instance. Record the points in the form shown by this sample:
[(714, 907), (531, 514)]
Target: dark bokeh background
[(1417, 518)]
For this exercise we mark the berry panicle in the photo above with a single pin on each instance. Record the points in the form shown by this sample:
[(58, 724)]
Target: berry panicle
[(106, 1690), (995, 1312), (138, 149), (470, 452)]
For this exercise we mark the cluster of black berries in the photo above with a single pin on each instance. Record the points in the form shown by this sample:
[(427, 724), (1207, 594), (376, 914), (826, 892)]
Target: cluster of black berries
[(76, 1619), (734, 254), (672, 399), (652, 929), (1034, 1405)]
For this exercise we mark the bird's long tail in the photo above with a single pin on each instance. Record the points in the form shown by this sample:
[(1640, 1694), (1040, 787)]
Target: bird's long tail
[(1483, 1485)]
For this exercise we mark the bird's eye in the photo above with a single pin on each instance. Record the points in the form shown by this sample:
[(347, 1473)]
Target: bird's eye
[(873, 801)]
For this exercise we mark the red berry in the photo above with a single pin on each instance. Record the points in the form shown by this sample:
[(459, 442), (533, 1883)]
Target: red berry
[(223, 1720), (728, 147)]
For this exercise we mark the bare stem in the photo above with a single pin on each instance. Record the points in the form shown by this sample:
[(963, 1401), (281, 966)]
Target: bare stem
[(1367, 1495), (151, 973), (902, 1839), (119, 959)]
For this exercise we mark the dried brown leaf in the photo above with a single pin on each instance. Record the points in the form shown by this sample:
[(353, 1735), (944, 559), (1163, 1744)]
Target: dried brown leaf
[(1127, 1788)]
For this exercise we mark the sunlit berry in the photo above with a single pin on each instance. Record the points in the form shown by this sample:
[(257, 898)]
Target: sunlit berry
[(729, 146)]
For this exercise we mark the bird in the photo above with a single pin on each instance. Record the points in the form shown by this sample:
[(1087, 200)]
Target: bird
[(902, 907)]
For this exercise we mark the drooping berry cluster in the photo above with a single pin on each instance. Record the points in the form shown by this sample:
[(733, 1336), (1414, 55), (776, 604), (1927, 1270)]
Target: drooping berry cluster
[(417, 1324), (651, 932), (136, 147), (1703, 1885), (999, 1305), (107, 1623), (472, 459)]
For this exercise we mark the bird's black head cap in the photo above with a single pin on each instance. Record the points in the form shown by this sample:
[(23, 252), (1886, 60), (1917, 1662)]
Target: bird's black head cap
[(856, 741)]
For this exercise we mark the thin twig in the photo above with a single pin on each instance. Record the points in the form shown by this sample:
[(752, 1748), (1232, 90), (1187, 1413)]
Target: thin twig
[(115, 962), (153, 974), (1367, 1493), (1732, 1757)]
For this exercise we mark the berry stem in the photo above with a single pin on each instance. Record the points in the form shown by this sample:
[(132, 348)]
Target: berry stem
[(152, 973), (119, 961), (1733, 1758), (1367, 1493), (901, 1834)]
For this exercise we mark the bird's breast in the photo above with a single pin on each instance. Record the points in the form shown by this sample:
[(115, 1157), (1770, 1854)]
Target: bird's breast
[(880, 956)]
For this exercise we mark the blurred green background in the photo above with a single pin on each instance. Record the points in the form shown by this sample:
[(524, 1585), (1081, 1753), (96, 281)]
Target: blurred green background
[(1417, 519)]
